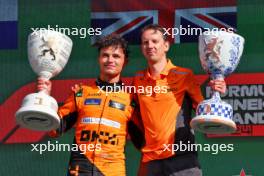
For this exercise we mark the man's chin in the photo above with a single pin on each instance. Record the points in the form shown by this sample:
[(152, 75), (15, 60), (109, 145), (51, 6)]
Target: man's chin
[(152, 59), (110, 73)]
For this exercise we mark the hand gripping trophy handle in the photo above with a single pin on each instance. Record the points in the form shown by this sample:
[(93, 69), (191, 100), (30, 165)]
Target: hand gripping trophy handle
[(220, 53), (48, 53)]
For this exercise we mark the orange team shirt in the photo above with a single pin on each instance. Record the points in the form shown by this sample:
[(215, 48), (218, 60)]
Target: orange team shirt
[(112, 111), (160, 110)]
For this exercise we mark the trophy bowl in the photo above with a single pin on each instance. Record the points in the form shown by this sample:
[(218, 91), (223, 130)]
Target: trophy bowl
[(48, 53), (220, 53)]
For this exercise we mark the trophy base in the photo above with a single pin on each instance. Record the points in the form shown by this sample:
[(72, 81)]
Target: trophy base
[(40, 116), (213, 125)]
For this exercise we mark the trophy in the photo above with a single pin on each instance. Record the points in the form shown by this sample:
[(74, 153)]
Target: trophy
[(220, 53), (48, 53)]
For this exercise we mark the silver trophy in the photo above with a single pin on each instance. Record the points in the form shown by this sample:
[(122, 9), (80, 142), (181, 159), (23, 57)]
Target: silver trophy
[(220, 53), (48, 53)]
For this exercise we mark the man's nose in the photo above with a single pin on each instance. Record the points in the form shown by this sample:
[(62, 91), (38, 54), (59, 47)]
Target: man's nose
[(110, 59), (150, 45)]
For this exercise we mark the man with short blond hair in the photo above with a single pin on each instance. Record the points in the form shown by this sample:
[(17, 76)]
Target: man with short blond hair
[(166, 116)]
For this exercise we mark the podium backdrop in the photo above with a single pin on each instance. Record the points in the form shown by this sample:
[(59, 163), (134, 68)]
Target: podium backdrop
[(18, 18)]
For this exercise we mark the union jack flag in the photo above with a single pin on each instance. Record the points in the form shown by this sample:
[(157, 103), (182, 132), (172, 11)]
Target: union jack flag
[(127, 18)]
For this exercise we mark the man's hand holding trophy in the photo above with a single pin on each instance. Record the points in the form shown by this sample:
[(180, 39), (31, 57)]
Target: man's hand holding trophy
[(48, 53)]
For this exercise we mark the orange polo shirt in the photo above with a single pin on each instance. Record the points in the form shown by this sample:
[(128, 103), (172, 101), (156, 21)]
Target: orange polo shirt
[(159, 110)]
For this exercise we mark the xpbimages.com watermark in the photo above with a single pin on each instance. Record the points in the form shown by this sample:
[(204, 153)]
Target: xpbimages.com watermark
[(192, 31), (57, 147), (212, 148), (82, 32), (143, 90)]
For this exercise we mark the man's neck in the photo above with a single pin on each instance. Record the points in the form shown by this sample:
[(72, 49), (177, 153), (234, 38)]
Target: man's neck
[(156, 68), (110, 79)]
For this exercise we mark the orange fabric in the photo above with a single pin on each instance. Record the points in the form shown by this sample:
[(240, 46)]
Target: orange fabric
[(103, 115), (159, 111)]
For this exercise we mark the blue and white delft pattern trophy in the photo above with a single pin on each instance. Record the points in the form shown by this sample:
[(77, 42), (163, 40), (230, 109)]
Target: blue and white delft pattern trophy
[(220, 53), (48, 53)]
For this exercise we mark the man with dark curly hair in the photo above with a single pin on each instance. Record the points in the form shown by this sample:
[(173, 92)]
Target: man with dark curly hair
[(100, 117)]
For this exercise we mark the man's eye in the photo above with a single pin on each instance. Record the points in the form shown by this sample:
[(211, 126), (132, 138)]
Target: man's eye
[(116, 56)]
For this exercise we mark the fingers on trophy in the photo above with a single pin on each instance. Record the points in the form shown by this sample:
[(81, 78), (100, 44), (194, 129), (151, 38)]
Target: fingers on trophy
[(220, 53), (48, 53)]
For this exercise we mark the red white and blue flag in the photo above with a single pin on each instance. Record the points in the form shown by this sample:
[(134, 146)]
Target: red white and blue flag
[(128, 17), (8, 24)]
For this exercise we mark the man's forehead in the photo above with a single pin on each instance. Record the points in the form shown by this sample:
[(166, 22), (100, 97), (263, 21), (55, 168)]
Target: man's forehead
[(113, 48), (156, 31), (152, 32)]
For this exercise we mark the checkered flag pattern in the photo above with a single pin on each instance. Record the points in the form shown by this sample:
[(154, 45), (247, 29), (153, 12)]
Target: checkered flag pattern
[(215, 109)]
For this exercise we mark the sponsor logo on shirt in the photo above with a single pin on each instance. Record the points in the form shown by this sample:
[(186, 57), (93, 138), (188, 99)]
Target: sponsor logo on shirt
[(92, 101), (104, 121)]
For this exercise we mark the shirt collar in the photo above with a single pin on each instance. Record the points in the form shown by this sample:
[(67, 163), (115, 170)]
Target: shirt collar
[(163, 73), (167, 68)]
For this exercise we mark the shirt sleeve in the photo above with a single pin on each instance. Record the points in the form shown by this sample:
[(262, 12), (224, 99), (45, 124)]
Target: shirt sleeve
[(135, 125), (68, 114), (194, 90), (68, 107)]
